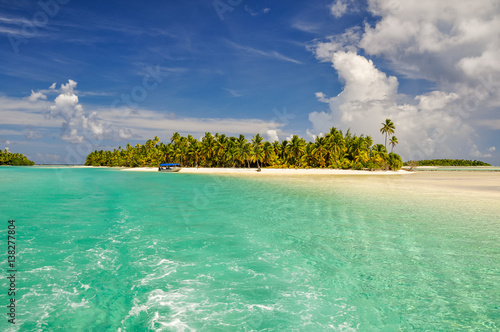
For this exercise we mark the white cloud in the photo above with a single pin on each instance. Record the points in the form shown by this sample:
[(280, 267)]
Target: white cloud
[(428, 127), (69, 87), (36, 96), (146, 122), (363, 82), (272, 135), (30, 133), (441, 40), (311, 136), (256, 13), (346, 41), (436, 100), (22, 112), (338, 8), (454, 44), (476, 153), (77, 125), (267, 54), (234, 93), (306, 26)]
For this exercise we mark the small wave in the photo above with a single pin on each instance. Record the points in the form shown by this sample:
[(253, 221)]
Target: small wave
[(163, 268), (169, 308)]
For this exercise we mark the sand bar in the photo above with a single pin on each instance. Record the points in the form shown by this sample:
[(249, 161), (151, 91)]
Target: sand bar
[(280, 171)]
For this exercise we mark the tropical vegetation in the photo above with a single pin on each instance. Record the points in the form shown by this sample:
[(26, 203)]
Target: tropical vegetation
[(14, 159), (446, 162), (387, 129), (333, 150)]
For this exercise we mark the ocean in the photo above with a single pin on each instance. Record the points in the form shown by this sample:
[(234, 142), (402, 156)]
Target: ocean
[(99, 249)]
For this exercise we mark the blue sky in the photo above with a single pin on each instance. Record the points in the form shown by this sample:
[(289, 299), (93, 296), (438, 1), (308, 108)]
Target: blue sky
[(125, 71)]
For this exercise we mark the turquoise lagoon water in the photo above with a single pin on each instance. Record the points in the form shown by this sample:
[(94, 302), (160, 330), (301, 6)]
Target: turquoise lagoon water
[(107, 250)]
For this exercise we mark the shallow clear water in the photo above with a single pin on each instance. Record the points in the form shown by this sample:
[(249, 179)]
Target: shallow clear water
[(105, 250)]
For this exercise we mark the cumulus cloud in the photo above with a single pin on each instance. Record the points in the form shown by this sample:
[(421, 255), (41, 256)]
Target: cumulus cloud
[(38, 119), (272, 135), (36, 96), (430, 126), (449, 43), (77, 125), (346, 41), (338, 8)]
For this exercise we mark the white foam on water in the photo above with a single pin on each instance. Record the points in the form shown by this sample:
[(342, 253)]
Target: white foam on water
[(175, 325), (40, 269), (162, 269), (83, 303), (345, 327), (170, 309), (204, 276)]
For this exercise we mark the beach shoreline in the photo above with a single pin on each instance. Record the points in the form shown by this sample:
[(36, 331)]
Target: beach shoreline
[(280, 171)]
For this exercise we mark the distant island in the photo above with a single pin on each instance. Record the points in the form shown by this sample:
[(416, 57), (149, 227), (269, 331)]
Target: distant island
[(14, 159), (445, 162), (334, 150)]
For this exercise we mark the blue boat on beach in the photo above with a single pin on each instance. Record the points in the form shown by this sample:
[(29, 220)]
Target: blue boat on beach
[(169, 168)]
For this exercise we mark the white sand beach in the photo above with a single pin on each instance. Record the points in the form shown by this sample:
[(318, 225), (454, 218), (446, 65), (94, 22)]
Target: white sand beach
[(280, 171)]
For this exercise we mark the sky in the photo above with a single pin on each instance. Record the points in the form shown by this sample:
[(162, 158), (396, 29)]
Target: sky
[(78, 76)]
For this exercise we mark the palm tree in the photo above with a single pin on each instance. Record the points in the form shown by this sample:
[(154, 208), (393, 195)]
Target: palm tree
[(209, 146), (175, 138), (296, 149), (335, 146), (221, 150), (393, 142), (258, 151), (334, 150), (194, 151), (319, 151), (379, 154), (269, 153), (387, 129), (244, 150)]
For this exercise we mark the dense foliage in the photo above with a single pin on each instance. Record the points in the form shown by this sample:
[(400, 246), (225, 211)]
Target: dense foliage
[(334, 150), (14, 159), (446, 162)]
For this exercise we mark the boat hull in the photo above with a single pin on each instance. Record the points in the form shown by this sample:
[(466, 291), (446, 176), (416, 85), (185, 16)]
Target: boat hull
[(169, 169)]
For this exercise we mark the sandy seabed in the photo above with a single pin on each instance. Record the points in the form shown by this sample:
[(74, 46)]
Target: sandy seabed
[(472, 185)]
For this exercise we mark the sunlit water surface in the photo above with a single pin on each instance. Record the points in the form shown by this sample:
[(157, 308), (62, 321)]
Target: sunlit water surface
[(107, 250)]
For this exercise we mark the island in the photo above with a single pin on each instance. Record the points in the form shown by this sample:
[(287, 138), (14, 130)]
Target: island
[(336, 150), (14, 159)]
